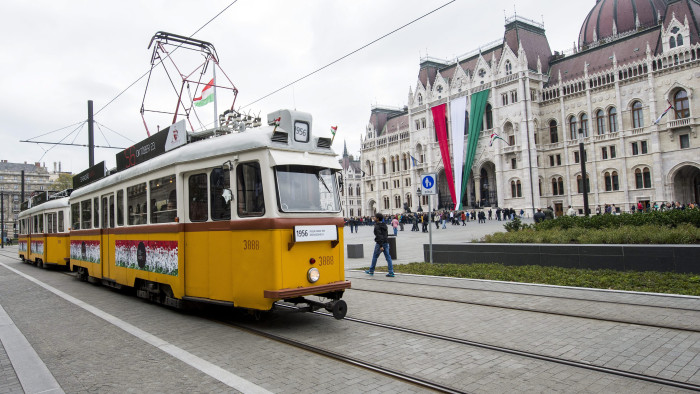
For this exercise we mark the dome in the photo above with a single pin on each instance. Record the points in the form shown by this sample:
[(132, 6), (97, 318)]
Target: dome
[(610, 16)]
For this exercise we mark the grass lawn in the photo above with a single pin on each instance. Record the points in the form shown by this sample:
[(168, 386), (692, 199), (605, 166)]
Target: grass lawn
[(653, 282)]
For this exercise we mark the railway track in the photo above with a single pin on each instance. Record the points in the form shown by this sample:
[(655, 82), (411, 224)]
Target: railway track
[(689, 328), (516, 352)]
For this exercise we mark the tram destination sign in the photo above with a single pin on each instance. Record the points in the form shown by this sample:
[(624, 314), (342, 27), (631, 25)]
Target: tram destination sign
[(169, 138), (90, 175)]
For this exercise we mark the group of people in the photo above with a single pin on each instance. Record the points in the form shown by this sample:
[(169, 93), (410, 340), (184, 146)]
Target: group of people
[(419, 221)]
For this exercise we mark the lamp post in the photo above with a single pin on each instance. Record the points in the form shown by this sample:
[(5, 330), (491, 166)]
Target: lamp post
[(418, 192), (582, 157)]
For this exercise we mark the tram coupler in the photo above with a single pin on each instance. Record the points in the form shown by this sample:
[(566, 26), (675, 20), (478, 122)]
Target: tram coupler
[(337, 307)]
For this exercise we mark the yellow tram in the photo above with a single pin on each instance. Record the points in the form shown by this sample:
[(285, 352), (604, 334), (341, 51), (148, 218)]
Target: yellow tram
[(244, 218), (44, 237)]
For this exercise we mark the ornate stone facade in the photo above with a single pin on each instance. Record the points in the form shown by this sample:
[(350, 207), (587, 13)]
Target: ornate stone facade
[(608, 93)]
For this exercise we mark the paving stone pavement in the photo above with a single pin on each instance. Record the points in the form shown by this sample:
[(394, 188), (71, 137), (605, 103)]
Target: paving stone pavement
[(87, 354), (9, 383)]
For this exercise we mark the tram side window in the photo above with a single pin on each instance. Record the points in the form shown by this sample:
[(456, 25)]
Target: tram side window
[(86, 214), (120, 207), (163, 200), (35, 227), (220, 181), (49, 223), (75, 216), (96, 215), (198, 198), (250, 191), (60, 222), (136, 201)]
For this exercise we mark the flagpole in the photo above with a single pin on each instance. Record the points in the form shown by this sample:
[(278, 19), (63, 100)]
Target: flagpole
[(216, 116)]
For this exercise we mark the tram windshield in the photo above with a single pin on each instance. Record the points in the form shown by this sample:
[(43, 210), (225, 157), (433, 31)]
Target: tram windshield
[(306, 189)]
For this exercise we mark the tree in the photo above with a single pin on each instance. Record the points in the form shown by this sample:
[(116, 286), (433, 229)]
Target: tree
[(64, 181)]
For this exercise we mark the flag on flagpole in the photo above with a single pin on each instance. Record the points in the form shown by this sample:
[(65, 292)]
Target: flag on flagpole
[(334, 129), (207, 95), (413, 160), (664, 114), (276, 123), (495, 136)]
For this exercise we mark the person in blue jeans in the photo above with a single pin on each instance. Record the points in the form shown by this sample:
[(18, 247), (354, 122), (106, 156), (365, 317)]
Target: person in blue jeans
[(381, 239)]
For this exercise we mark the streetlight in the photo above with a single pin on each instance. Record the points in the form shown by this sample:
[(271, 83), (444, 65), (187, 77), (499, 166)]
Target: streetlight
[(582, 157), (420, 209)]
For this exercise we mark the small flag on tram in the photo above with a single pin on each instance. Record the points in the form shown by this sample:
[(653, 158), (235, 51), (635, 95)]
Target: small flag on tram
[(664, 114), (334, 129), (207, 95), (276, 123)]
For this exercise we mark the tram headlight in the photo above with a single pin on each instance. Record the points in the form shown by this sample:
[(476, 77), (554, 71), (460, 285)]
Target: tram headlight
[(313, 275)]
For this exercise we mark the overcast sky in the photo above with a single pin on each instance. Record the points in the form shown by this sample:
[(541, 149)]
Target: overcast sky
[(57, 54)]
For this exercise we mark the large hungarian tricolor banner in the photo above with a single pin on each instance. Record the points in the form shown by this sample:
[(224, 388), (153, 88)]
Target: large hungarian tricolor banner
[(458, 117), (441, 131), (207, 95), (477, 114)]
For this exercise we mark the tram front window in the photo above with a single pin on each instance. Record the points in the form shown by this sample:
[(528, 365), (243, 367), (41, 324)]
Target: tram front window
[(306, 189)]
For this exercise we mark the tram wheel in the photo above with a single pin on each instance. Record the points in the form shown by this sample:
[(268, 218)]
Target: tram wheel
[(340, 308)]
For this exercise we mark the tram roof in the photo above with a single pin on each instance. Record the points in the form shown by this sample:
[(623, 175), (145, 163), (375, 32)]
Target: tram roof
[(249, 140), (51, 204)]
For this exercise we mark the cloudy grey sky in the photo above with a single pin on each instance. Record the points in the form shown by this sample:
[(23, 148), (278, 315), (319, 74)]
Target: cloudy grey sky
[(57, 54)]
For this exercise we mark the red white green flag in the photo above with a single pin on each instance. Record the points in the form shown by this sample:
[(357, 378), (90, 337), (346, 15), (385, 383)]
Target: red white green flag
[(207, 95)]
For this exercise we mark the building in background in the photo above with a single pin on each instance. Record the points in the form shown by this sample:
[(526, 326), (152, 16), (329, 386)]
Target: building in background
[(351, 194), (633, 61), (36, 179)]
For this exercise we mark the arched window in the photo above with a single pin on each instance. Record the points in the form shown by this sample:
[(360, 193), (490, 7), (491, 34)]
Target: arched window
[(679, 40), (540, 186), (409, 200), (386, 203), (572, 128), (615, 181), (680, 103), (612, 120), (584, 124), (600, 122), (383, 166), (642, 178), (637, 115), (672, 42), (555, 190), (420, 99), (489, 117), (509, 68), (580, 185), (349, 190), (397, 201), (516, 189), (560, 182), (357, 189), (553, 134), (404, 160), (608, 182)]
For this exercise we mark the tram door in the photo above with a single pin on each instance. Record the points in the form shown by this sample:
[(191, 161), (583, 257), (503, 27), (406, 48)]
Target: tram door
[(107, 241)]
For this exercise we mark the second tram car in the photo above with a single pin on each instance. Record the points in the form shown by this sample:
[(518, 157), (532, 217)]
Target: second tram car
[(44, 236), (241, 218)]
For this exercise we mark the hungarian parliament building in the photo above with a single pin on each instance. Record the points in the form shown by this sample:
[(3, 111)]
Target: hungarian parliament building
[(502, 126)]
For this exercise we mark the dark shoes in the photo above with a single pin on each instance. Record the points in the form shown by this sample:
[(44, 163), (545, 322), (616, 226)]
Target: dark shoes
[(368, 272), (390, 274)]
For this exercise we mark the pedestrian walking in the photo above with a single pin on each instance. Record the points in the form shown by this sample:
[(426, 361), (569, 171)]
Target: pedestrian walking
[(395, 225), (381, 240)]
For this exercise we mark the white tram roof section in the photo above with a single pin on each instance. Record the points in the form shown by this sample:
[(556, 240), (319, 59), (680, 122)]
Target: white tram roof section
[(281, 153), (51, 204)]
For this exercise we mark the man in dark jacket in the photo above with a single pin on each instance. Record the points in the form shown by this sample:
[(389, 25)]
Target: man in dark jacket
[(539, 216), (381, 240)]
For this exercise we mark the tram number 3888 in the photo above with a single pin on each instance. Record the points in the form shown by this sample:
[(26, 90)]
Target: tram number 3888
[(251, 244)]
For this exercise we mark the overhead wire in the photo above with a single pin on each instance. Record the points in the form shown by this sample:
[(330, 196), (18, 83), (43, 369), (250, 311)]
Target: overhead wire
[(350, 53)]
